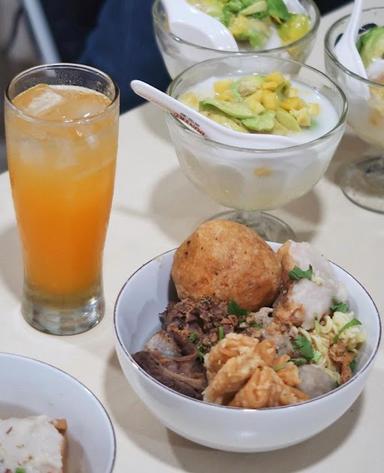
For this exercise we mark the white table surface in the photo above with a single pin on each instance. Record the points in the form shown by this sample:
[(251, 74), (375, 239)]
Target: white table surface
[(155, 208)]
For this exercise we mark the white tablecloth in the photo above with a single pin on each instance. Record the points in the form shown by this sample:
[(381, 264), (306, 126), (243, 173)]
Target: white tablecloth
[(154, 209)]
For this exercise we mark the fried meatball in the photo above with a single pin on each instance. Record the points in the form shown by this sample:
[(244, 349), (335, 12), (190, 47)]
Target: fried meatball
[(227, 261)]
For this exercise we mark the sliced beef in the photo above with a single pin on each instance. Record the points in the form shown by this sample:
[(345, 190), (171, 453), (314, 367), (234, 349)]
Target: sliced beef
[(199, 321), (164, 343), (184, 374)]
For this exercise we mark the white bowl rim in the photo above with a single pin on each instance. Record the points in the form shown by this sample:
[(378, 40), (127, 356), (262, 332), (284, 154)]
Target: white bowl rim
[(50, 367), (242, 409)]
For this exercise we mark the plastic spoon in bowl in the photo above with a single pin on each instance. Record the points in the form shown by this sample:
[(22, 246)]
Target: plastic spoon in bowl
[(294, 6), (207, 127), (347, 53), (197, 27)]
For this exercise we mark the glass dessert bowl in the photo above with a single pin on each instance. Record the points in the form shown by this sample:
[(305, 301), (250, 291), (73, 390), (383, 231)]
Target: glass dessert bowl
[(361, 182), (179, 54), (252, 180)]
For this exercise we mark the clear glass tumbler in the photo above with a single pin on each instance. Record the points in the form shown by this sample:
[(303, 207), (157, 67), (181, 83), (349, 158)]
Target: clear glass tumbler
[(61, 133)]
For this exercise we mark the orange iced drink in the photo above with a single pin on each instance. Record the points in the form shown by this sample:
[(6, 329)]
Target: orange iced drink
[(61, 147)]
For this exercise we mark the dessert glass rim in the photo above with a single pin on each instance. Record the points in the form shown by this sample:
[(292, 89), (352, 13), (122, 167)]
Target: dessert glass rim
[(329, 49), (273, 153), (57, 122), (243, 409), (311, 32)]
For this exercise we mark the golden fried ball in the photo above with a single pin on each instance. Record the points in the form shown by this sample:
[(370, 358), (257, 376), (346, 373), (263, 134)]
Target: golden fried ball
[(228, 261)]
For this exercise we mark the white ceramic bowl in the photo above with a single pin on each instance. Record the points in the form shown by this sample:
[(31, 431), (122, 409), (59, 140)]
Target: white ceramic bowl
[(30, 387), (147, 293)]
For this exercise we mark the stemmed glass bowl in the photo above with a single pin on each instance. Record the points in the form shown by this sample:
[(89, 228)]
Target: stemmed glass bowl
[(251, 180), (179, 54), (362, 182)]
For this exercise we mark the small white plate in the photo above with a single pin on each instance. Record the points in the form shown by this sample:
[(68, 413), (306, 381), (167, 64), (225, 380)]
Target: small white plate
[(30, 387)]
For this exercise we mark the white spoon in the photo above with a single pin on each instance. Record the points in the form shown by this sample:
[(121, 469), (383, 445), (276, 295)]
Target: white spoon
[(348, 54), (197, 27), (294, 6), (206, 127)]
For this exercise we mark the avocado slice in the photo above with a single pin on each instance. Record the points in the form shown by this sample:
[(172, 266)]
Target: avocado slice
[(257, 7), (265, 121), (236, 110), (371, 45), (287, 120), (224, 120)]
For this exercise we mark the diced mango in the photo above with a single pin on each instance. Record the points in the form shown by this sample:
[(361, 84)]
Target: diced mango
[(302, 116), (190, 99), (221, 86), (270, 100), (253, 101), (292, 92), (279, 129), (239, 27), (258, 95), (270, 85), (287, 120), (275, 77), (313, 109), (292, 103), (226, 95)]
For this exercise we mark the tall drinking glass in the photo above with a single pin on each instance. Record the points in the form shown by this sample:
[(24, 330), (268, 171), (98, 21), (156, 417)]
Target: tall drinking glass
[(61, 132)]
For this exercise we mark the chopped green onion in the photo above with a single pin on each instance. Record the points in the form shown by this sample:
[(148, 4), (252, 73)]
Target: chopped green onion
[(234, 309), (348, 325), (339, 307), (200, 355), (316, 356), (297, 273), (257, 7), (256, 325), (304, 346), (193, 337), (221, 332), (353, 365)]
